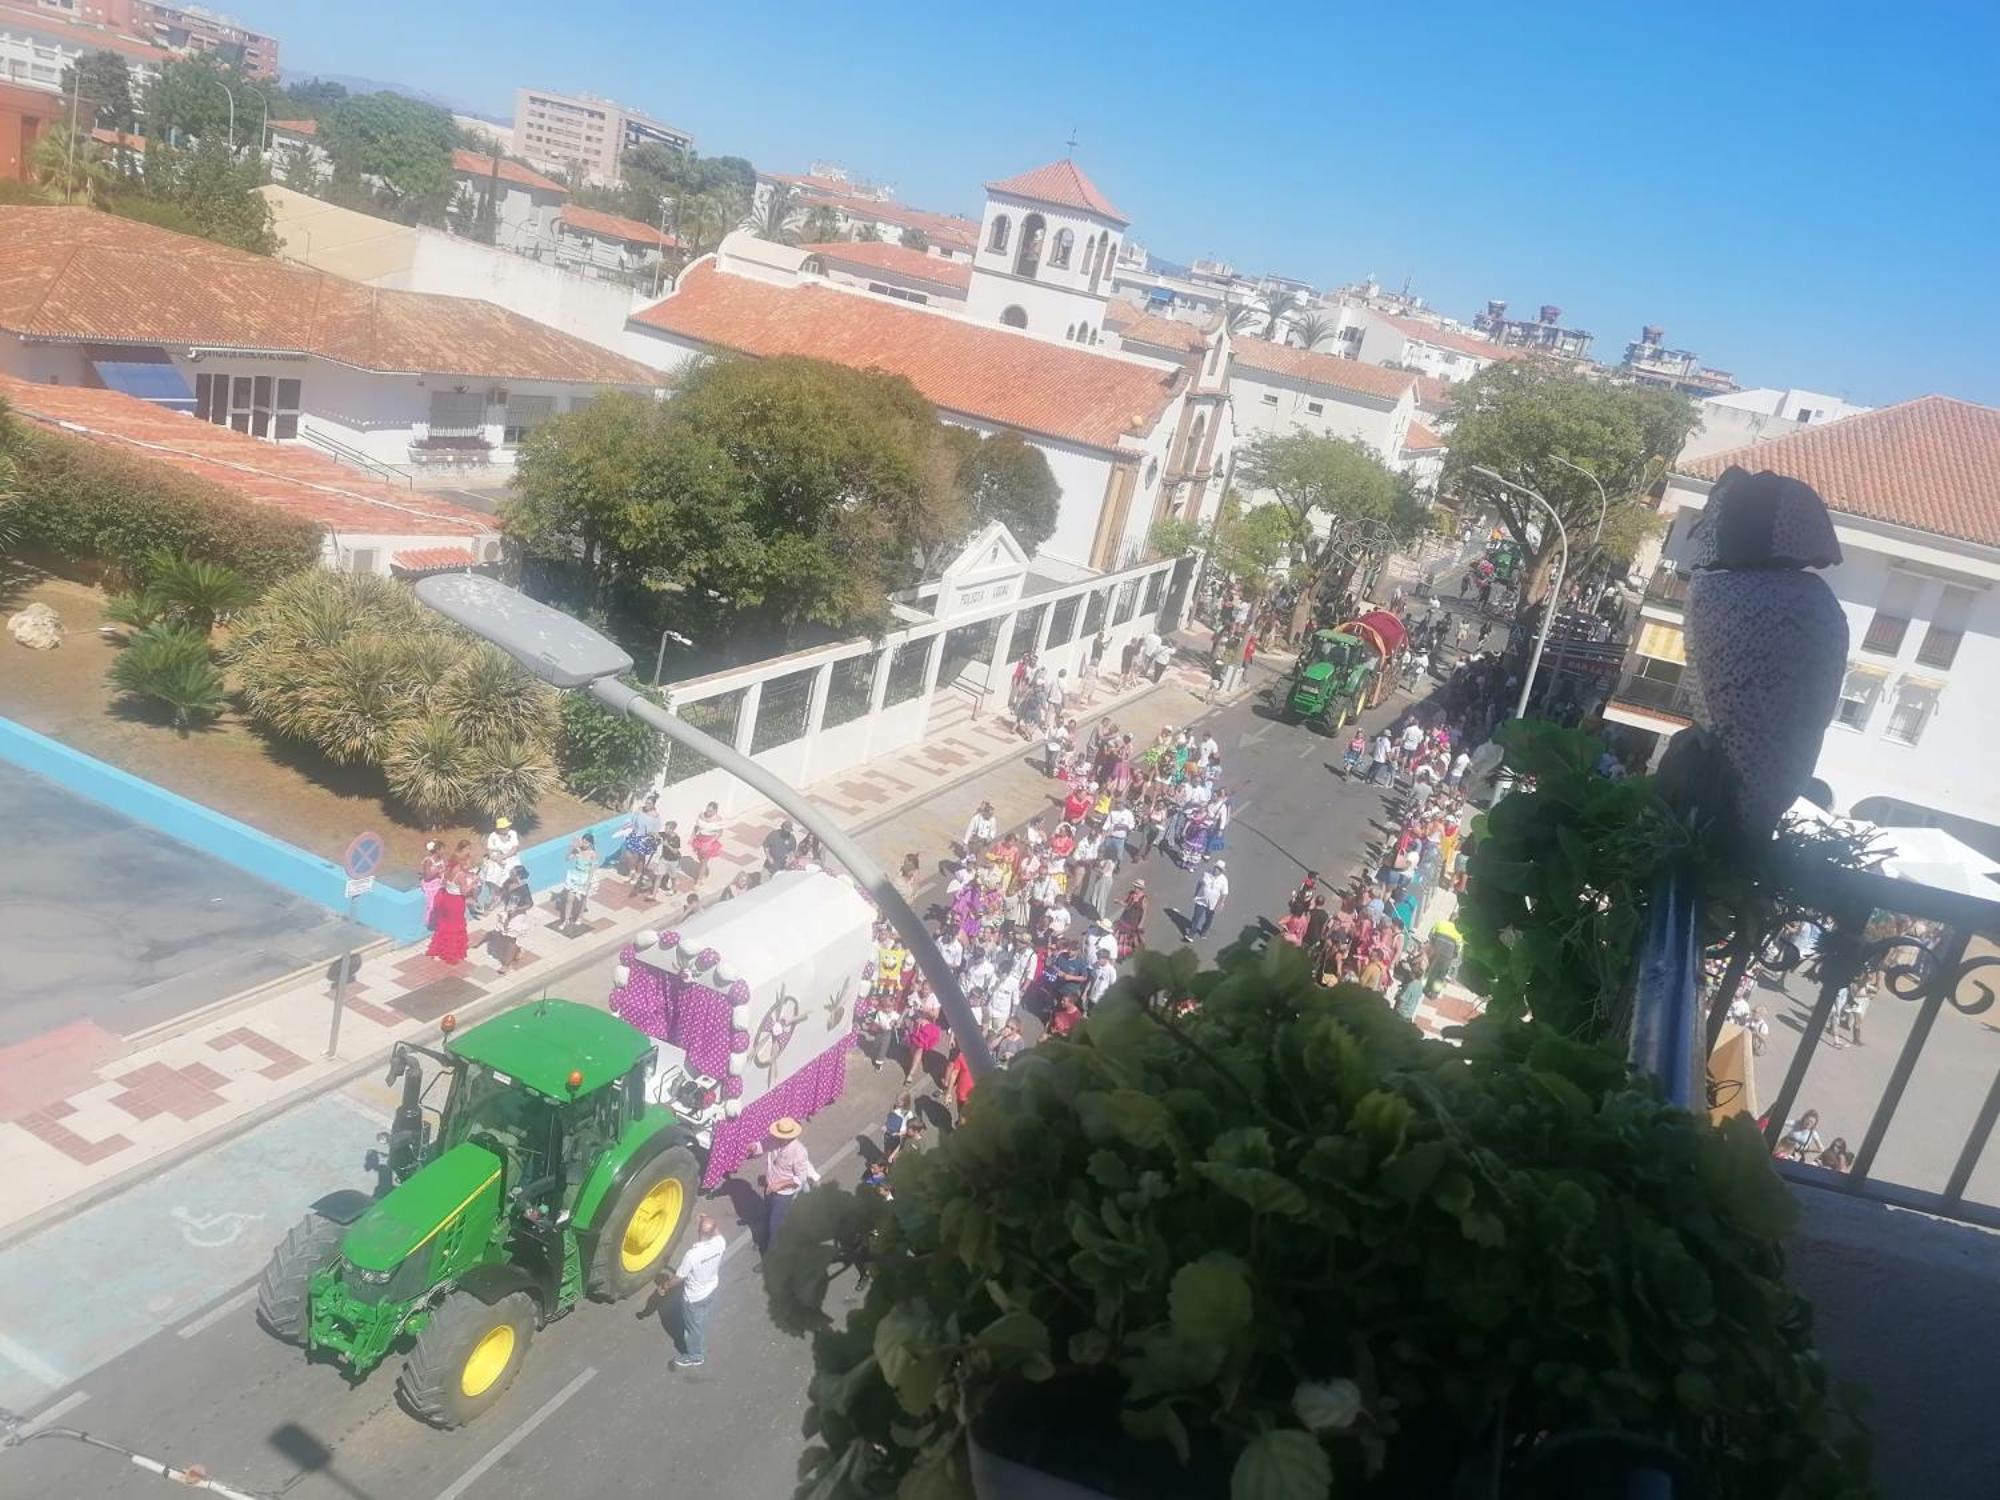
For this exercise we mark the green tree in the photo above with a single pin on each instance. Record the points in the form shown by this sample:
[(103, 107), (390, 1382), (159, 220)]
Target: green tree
[(1314, 329), (189, 101), (216, 192), (103, 80), (70, 166), (298, 169), (821, 226), (914, 238), (309, 99), (776, 215), (404, 144), (703, 219), (1249, 543), (868, 232), (1338, 501), (1520, 417), (1173, 536), (170, 665), (1006, 478)]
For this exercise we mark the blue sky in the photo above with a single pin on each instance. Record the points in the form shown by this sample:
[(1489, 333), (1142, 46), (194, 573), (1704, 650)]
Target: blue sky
[(1806, 195)]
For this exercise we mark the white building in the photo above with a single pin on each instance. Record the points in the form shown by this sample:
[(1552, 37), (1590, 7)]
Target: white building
[(858, 209), (1047, 245), (35, 47), (529, 206), (1203, 455), (395, 381), (1446, 354), (1745, 417), (1915, 495), (1105, 421), (1274, 388), (610, 243)]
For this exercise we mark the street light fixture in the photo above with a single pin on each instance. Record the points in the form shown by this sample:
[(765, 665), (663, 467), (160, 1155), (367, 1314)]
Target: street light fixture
[(566, 653), (1555, 585)]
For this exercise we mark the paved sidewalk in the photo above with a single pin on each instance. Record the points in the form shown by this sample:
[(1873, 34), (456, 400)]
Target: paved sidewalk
[(84, 1112)]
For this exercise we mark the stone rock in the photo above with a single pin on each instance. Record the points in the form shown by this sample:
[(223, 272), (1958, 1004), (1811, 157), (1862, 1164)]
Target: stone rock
[(37, 627)]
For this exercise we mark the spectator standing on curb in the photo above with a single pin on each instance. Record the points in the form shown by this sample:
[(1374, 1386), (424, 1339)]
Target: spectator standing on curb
[(1055, 746), (697, 1276)]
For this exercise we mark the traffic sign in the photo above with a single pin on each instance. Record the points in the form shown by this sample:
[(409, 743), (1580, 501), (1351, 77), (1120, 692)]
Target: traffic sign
[(364, 855), (360, 885)]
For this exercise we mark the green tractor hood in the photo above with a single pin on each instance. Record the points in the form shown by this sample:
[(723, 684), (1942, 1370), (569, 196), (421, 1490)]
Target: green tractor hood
[(464, 1183), (1319, 671)]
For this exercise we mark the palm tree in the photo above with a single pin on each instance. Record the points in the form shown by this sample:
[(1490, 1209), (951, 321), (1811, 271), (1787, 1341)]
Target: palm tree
[(703, 220), (170, 665), (510, 776), (822, 224), (197, 593), (428, 769), (1314, 329), (869, 233), (70, 167), (494, 702), (1277, 305), (777, 220), (1239, 317)]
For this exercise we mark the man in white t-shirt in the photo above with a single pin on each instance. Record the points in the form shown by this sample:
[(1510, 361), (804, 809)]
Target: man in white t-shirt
[(1103, 975), (1211, 889), (698, 1274)]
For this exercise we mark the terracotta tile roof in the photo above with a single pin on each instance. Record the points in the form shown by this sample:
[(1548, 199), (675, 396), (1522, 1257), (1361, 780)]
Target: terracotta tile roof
[(290, 477), (1433, 395), (1932, 464), (432, 559), (93, 37), (1063, 184), (128, 141), (952, 231), (1446, 338), (297, 127), (1328, 370), (1420, 439), (479, 164), (970, 368), (76, 273), (1163, 333), (1119, 314), (615, 227), (899, 260)]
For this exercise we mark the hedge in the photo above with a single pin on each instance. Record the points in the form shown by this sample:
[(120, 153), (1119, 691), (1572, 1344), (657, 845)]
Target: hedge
[(82, 503)]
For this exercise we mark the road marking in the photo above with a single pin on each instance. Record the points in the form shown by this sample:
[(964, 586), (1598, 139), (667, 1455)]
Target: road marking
[(518, 1436), (50, 1414), (30, 1363), (218, 1312), (367, 1112)]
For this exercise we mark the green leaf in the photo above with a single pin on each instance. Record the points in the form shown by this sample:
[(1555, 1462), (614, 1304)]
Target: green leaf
[(1283, 1464), (1324, 1405), (1139, 1118), (1409, 1174), (911, 1360), (1483, 1228), (1209, 1301), (1090, 1346), (1156, 1424), (1265, 1192)]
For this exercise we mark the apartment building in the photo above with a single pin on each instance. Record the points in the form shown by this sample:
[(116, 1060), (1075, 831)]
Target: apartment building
[(181, 29), (1916, 507), (585, 134), (1649, 362), (36, 45)]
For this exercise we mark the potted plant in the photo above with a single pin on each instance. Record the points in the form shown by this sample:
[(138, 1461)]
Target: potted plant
[(1241, 1235)]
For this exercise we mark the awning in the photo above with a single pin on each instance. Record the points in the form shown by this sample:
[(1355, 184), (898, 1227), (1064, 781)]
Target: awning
[(1159, 294), (154, 380), (1663, 642), (433, 559)]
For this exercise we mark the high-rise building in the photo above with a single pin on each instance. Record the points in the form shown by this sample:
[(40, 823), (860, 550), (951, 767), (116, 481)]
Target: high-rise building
[(585, 134), (176, 28)]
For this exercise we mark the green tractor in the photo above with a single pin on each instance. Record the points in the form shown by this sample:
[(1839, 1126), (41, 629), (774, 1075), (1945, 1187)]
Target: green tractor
[(542, 1173), (1329, 683)]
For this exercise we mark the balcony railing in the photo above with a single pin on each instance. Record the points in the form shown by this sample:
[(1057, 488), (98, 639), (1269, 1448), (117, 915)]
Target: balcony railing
[(1668, 585), (1676, 698)]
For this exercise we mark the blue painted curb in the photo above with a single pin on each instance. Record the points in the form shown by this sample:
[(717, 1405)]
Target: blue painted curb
[(396, 914)]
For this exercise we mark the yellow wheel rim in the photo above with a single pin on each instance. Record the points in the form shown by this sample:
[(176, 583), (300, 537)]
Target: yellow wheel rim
[(488, 1360), (652, 1224)]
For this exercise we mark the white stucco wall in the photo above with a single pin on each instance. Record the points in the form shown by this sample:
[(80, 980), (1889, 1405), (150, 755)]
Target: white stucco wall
[(1376, 421), (578, 305), (1057, 297)]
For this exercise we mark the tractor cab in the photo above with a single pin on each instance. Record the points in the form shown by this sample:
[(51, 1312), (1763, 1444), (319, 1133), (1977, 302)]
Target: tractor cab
[(1328, 673), (542, 1172)]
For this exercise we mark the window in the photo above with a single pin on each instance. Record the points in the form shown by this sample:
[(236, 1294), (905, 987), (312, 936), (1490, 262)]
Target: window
[(1015, 317), (997, 240), (1269, 398), (1947, 627), (1070, 333), (1806, 414), (1857, 697), (1152, 472), (361, 560), (1030, 259), (458, 414), (1316, 408), (1060, 253), (1916, 701), (285, 415), (1892, 615)]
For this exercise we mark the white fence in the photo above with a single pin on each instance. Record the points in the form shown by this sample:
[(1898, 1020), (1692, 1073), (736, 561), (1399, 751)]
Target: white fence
[(814, 714)]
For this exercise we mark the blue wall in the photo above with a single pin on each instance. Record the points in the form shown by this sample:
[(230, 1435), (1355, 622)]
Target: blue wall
[(396, 914)]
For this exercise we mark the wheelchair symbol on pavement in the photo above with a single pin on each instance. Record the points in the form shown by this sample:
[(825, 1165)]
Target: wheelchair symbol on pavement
[(213, 1231)]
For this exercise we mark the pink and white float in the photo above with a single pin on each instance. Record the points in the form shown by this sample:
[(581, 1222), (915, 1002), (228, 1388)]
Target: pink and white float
[(751, 1007)]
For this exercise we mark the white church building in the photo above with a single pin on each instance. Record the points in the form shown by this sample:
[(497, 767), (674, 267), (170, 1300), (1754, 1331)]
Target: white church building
[(1133, 431)]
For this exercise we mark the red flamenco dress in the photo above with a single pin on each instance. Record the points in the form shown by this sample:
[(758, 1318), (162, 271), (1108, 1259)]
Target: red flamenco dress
[(448, 936)]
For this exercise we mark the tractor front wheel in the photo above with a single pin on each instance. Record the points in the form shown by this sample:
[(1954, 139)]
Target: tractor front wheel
[(284, 1295), (466, 1357), (644, 1224)]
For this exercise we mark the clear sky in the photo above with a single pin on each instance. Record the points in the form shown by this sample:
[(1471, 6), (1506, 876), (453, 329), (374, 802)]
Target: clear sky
[(1807, 195)]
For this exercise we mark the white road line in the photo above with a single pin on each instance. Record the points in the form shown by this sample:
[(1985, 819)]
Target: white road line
[(218, 1312), (519, 1435), (367, 1112), (49, 1415), (25, 1359)]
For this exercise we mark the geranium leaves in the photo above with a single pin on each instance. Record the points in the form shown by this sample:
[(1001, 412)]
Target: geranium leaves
[(1282, 1464)]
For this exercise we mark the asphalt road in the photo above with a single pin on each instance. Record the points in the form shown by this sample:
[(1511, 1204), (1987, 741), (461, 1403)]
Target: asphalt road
[(108, 921), (134, 1319)]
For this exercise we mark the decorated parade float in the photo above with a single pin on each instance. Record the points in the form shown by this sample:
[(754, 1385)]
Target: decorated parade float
[(751, 1007)]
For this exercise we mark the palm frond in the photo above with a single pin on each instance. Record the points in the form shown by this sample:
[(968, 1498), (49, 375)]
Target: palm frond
[(427, 768)]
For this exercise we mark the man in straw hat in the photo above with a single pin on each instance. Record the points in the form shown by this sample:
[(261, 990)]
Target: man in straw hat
[(788, 1171)]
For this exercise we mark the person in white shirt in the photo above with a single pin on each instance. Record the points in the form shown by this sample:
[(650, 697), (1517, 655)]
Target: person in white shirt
[(1059, 918), (503, 843), (981, 974), (1003, 998), (1211, 889), (951, 950), (698, 1275), (981, 829), (1102, 977), (1458, 764)]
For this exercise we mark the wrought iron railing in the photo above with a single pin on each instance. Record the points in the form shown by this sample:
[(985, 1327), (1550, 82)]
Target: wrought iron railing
[(1676, 698), (1668, 585)]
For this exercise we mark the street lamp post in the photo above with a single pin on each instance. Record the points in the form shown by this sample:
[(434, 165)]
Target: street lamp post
[(230, 95), (568, 654), (1603, 510), (1555, 585)]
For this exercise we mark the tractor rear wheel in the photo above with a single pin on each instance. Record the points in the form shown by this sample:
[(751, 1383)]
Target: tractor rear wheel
[(644, 1225), (284, 1296), (466, 1357)]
